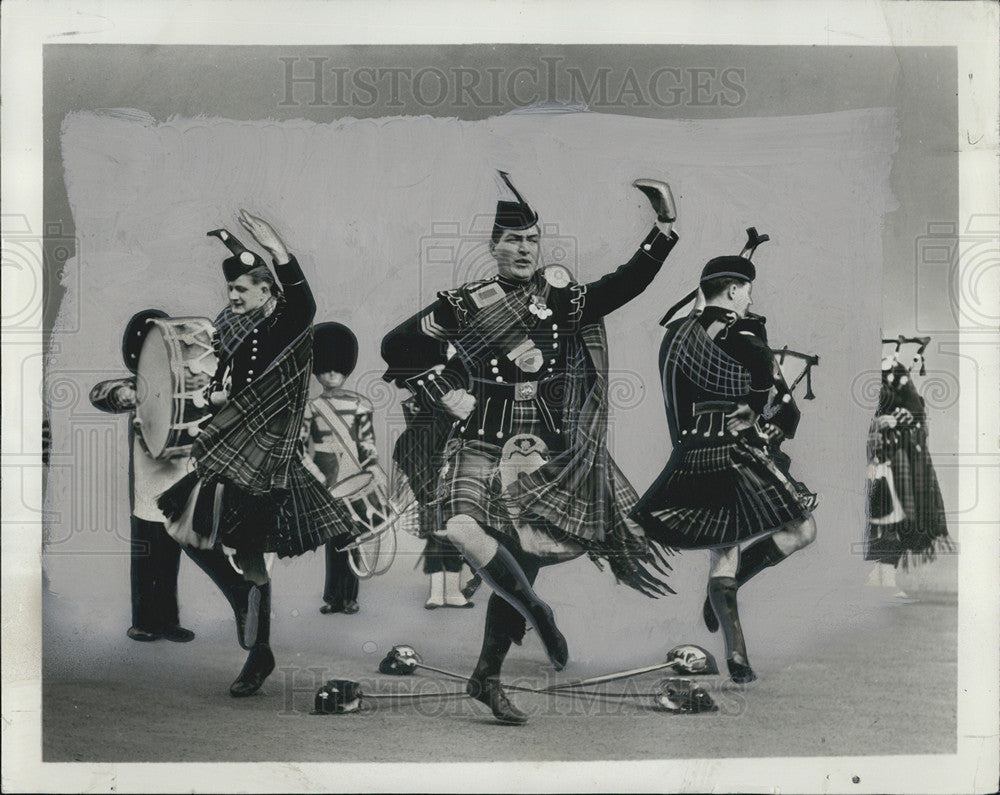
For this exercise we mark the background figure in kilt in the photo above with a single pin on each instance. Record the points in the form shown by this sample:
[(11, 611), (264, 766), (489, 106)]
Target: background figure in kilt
[(155, 556), (250, 491), (339, 439), (722, 484), (509, 451), (906, 519)]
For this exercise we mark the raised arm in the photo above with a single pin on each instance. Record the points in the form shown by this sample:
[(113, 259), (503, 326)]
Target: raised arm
[(299, 301), (618, 288)]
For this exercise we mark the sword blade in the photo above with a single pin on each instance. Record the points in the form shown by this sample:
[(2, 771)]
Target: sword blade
[(595, 680)]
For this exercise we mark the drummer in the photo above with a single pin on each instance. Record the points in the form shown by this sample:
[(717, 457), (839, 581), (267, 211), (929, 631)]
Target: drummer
[(339, 440), (155, 556)]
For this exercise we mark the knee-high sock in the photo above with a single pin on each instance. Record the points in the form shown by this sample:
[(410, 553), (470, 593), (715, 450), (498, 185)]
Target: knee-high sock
[(722, 595), (258, 630), (219, 570), (757, 557)]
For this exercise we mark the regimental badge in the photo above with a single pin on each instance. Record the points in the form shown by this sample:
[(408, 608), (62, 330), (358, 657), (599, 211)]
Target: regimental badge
[(557, 276), (538, 307), (488, 294)]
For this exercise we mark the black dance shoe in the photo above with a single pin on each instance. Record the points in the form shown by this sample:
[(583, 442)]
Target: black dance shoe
[(490, 692), (259, 665), (740, 670), (552, 639)]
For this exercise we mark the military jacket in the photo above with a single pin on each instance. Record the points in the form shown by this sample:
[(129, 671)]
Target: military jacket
[(512, 372), (263, 344)]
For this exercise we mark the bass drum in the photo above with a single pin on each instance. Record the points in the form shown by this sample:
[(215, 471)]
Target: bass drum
[(176, 363)]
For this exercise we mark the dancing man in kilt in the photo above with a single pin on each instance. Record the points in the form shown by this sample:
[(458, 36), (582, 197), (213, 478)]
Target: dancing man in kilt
[(510, 456), (250, 491), (722, 485)]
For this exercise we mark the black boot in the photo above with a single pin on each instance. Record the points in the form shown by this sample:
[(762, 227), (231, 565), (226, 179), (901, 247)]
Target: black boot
[(504, 625), (491, 693), (232, 585), (722, 594), (753, 560), (260, 661), (505, 576)]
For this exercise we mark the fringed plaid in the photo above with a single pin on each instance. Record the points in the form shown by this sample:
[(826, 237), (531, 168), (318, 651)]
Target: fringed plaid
[(253, 444), (924, 531), (719, 495), (580, 493)]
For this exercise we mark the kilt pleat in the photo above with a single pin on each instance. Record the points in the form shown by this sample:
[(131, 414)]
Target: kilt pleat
[(288, 521), (718, 495)]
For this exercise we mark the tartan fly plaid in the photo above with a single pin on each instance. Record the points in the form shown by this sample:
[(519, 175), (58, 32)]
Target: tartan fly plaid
[(253, 447)]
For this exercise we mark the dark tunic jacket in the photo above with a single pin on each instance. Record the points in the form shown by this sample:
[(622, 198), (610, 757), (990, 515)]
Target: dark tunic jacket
[(704, 379), (416, 350), (293, 316)]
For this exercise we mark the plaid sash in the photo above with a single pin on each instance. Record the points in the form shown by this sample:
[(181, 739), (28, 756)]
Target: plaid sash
[(252, 440), (232, 328), (499, 326), (580, 490)]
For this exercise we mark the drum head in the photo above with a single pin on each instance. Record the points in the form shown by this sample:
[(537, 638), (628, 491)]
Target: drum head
[(350, 486), (154, 391)]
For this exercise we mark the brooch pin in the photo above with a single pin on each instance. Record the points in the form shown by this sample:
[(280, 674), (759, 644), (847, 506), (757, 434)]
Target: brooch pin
[(538, 308)]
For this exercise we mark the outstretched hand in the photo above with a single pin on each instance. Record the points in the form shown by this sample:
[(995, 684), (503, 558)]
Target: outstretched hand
[(265, 235)]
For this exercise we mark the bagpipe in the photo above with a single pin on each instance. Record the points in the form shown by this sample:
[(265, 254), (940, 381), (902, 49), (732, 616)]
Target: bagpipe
[(899, 394)]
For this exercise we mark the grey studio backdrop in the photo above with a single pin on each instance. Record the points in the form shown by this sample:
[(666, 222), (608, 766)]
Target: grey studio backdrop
[(830, 154)]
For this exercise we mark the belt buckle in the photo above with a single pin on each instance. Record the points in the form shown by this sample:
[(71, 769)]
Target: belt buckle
[(525, 390)]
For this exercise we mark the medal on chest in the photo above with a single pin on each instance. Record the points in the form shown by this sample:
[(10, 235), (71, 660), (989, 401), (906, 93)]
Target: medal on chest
[(539, 308)]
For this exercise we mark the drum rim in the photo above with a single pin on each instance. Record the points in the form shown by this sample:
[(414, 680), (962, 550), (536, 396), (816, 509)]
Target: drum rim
[(170, 329)]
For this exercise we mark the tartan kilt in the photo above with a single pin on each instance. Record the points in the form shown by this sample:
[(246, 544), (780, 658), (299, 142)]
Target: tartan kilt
[(469, 484), (288, 521), (718, 495), (923, 530)]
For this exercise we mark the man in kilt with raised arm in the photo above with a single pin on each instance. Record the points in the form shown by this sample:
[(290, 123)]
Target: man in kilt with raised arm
[(510, 460), (722, 484), (250, 491)]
